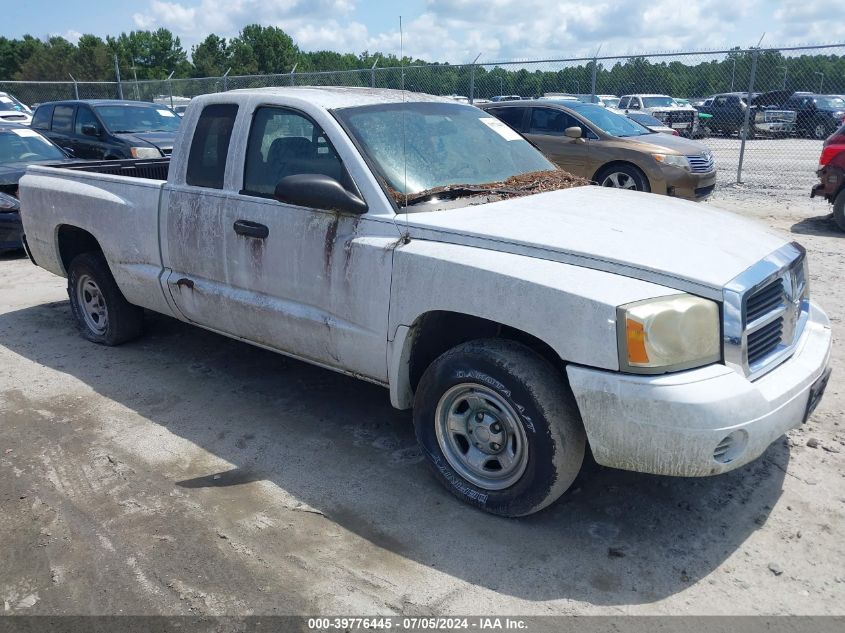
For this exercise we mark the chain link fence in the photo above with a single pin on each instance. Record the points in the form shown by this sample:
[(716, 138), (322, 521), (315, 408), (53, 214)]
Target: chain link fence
[(744, 104)]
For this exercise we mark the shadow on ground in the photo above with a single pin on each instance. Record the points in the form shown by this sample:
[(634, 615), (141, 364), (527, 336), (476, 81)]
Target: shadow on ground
[(819, 225), (336, 444)]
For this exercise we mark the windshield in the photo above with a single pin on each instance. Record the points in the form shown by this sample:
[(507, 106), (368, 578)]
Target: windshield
[(422, 146), (610, 122), (26, 146), (645, 119), (658, 102), (138, 118), (832, 103), (8, 102)]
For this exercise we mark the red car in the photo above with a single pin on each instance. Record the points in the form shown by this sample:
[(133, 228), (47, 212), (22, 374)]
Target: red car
[(832, 175)]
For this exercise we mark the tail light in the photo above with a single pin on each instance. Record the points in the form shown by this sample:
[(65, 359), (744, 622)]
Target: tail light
[(829, 152), (675, 133)]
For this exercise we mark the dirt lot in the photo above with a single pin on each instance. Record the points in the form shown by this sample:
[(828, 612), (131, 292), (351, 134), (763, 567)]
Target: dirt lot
[(186, 473)]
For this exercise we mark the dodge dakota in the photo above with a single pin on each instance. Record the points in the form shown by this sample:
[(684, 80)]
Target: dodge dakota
[(388, 235)]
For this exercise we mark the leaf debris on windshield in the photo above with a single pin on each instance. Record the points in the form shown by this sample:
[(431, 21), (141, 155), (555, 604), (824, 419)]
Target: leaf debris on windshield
[(513, 187)]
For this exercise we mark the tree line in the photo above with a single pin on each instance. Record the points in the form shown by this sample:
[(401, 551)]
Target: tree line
[(261, 50)]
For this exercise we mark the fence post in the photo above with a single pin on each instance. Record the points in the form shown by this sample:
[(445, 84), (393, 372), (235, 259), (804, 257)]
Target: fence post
[(472, 79), (170, 87), (117, 76), (593, 82), (226, 80), (744, 133), (75, 87), (373, 73)]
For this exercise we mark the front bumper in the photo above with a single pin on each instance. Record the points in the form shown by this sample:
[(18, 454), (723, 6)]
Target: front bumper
[(680, 183), (676, 424), (11, 230)]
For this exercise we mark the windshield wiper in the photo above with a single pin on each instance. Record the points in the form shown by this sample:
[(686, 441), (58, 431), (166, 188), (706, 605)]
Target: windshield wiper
[(458, 191)]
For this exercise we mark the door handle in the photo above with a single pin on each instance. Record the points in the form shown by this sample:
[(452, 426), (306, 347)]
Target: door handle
[(251, 229)]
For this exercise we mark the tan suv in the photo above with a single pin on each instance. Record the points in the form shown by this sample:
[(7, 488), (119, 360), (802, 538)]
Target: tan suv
[(610, 149)]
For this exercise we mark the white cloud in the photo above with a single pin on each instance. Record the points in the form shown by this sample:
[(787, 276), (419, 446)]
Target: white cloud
[(458, 30)]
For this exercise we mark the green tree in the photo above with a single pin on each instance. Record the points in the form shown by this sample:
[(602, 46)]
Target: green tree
[(262, 49), (210, 57)]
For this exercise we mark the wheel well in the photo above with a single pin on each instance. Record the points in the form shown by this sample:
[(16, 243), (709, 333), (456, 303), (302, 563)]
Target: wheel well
[(439, 331), (74, 241), (619, 163)]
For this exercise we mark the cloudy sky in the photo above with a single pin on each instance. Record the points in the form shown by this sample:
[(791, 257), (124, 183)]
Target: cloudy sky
[(455, 30)]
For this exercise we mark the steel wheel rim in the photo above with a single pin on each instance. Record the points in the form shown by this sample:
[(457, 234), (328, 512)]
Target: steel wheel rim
[(820, 132), (619, 180), (92, 304), (481, 436)]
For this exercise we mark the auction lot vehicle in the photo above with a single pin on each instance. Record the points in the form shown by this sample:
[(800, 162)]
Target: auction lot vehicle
[(654, 125), (831, 174), (817, 116), (610, 149), (13, 111), (663, 108), (20, 146), (766, 117), (423, 245), (108, 130)]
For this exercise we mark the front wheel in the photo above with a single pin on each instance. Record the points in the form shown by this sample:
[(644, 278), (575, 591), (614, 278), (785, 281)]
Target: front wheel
[(623, 177), (102, 313), (499, 427), (839, 210)]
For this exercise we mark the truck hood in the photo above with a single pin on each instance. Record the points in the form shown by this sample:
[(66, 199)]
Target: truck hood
[(159, 140), (678, 144), (683, 245)]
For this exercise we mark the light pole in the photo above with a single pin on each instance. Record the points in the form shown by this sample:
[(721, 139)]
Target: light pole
[(784, 75), (821, 81), (733, 75)]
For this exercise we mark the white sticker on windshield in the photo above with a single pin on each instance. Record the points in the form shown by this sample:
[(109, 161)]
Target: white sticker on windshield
[(26, 132), (500, 128), (165, 113)]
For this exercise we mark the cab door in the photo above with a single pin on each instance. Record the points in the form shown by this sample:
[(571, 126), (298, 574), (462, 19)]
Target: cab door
[(87, 145), (546, 129)]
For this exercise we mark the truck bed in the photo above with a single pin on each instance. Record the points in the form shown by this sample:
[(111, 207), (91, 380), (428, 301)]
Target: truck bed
[(148, 168)]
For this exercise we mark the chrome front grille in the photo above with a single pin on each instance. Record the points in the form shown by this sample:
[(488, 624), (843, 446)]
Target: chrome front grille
[(765, 309), (701, 163)]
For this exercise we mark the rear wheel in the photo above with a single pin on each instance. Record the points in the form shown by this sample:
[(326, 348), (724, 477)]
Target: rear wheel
[(499, 427), (623, 177), (102, 313), (820, 131), (839, 210)]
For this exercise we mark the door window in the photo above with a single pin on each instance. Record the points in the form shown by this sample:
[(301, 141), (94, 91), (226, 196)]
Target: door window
[(63, 119), (210, 146), (41, 118), (550, 122), (623, 103), (285, 143), (511, 116), (84, 117)]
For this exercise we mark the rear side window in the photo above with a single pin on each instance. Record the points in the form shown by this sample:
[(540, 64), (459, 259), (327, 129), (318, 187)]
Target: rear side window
[(63, 119), (511, 116), (41, 118), (210, 145)]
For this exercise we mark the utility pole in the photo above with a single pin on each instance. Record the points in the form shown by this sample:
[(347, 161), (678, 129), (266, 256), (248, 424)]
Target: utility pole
[(117, 75)]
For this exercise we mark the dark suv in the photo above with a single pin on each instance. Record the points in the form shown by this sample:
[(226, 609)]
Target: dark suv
[(818, 116), (108, 130), (727, 112)]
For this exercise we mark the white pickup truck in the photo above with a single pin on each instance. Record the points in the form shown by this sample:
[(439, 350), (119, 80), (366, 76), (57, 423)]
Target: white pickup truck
[(381, 234)]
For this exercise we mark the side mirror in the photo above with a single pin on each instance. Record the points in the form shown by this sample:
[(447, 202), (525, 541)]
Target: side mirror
[(89, 129), (573, 132), (318, 191)]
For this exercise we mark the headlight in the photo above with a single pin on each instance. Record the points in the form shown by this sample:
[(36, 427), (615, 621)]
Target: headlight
[(145, 152), (668, 334), (672, 159), (9, 203)]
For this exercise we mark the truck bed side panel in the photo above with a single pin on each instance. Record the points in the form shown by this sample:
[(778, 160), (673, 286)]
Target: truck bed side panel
[(120, 212)]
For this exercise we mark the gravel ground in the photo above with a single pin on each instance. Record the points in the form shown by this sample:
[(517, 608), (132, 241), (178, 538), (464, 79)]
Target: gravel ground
[(187, 473)]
